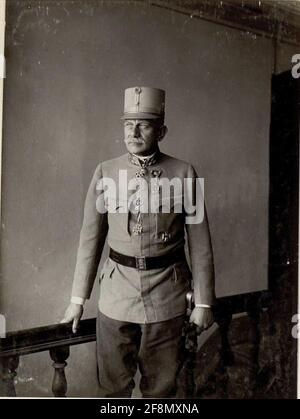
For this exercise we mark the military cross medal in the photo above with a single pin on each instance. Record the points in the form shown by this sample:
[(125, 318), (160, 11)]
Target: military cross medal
[(137, 229)]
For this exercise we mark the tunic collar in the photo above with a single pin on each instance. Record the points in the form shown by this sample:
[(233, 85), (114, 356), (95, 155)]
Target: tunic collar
[(144, 162)]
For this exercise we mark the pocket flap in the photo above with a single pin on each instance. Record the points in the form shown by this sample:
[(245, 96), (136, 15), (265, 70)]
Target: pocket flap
[(114, 204), (108, 269)]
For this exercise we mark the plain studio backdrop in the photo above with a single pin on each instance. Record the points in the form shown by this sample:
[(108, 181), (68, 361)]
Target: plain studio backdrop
[(68, 64)]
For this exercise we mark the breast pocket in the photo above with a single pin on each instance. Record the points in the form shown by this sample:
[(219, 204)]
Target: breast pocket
[(170, 219), (118, 220)]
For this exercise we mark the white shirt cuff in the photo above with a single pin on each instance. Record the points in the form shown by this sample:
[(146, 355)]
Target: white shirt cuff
[(78, 300), (202, 305)]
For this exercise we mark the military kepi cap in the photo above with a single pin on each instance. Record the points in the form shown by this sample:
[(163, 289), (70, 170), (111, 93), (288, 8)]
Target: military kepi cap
[(144, 103)]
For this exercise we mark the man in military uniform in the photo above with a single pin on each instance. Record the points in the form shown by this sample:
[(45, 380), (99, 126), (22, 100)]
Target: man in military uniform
[(144, 282)]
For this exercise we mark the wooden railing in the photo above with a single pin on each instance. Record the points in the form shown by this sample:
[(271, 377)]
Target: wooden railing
[(58, 338)]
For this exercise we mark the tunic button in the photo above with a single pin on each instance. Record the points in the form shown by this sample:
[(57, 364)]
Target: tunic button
[(137, 204)]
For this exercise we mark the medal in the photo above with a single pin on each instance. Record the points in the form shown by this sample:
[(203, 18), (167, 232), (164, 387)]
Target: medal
[(141, 173), (138, 204), (156, 173), (137, 229)]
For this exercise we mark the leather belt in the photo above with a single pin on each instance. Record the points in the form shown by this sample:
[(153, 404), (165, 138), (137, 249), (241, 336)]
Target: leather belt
[(143, 263)]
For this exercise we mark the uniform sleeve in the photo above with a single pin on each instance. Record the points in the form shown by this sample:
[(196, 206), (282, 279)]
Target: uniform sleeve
[(92, 239), (200, 250)]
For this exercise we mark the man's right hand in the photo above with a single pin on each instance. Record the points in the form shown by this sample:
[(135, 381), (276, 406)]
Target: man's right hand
[(73, 314)]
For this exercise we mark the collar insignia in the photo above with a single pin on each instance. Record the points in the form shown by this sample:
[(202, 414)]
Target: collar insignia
[(148, 162)]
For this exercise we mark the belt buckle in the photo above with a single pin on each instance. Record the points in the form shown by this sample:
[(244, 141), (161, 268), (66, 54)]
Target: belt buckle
[(140, 263)]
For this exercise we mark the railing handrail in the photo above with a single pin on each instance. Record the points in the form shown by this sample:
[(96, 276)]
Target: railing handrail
[(43, 338)]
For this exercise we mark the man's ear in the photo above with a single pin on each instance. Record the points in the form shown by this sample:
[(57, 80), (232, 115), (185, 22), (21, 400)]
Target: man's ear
[(163, 132)]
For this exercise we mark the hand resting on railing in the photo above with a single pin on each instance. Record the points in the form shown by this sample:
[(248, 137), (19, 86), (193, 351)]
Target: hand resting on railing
[(73, 314)]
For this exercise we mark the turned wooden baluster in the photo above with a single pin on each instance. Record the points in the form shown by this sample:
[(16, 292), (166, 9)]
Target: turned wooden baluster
[(225, 350), (59, 383), (254, 339), (226, 355), (8, 366)]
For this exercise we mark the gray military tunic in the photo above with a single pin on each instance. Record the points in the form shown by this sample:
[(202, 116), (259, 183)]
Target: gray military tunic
[(129, 294)]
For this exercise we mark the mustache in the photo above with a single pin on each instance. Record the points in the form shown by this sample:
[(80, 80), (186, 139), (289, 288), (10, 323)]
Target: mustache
[(129, 140)]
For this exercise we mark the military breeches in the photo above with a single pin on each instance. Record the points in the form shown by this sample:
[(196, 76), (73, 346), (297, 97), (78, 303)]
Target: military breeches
[(157, 349)]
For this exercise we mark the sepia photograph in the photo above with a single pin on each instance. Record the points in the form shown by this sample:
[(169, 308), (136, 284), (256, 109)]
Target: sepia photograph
[(149, 199)]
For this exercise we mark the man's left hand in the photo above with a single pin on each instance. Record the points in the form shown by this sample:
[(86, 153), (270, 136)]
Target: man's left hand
[(202, 317)]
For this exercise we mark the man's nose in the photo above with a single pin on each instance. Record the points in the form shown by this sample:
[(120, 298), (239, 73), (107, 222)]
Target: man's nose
[(136, 131)]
